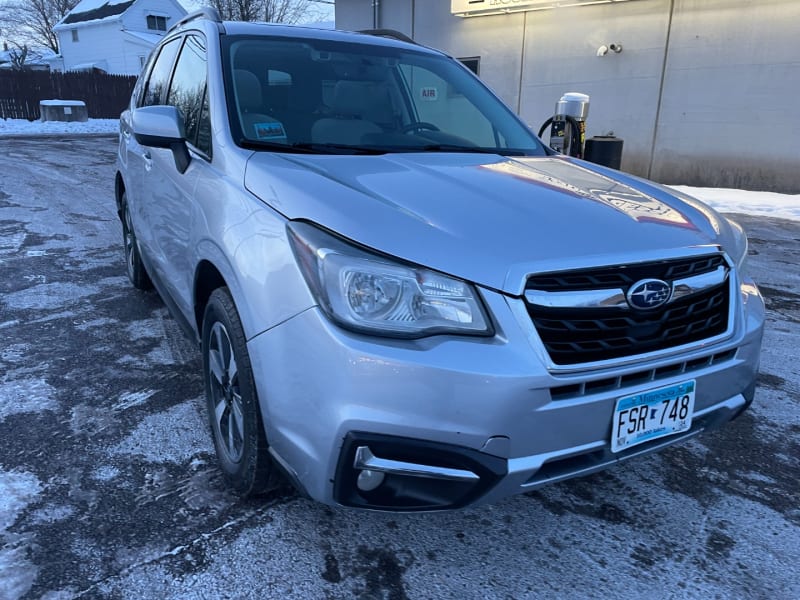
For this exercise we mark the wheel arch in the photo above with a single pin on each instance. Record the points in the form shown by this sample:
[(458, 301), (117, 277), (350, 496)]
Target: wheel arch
[(207, 278), (119, 189)]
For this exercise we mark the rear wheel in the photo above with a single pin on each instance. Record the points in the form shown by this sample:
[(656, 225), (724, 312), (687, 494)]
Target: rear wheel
[(232, 401), (133, 259)]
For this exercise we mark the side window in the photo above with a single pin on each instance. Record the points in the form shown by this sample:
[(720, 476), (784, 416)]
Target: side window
[(438, 103), (159, 75), (278, 78), (187, 92), (204, 128)]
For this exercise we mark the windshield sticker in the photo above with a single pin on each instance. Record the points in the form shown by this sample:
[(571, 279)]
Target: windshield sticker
[(429, 94), (273, 132)]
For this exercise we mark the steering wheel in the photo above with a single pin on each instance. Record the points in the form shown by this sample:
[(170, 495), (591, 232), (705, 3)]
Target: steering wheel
[(418, 126)]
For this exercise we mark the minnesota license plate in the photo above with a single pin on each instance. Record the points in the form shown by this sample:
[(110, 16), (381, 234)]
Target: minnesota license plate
[(652, 414)]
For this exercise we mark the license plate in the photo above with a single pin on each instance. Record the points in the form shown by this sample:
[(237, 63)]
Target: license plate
[(652, 414)]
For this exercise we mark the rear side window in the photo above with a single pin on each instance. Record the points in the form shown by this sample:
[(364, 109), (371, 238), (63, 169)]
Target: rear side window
[(187, 92), (158, 79)]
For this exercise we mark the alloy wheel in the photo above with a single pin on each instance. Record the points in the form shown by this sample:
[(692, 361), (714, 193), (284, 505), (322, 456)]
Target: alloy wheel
[(226, 395)]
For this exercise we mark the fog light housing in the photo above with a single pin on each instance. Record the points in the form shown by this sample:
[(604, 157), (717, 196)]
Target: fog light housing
[(403, 474), (368, 480)]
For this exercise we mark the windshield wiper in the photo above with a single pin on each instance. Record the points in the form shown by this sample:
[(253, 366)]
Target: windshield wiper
[(469, 149), (334, 148), (274, 146), (309, 147), (331, 148)]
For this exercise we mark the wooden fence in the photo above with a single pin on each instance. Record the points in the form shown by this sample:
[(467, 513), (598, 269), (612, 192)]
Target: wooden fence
[(106, 96)]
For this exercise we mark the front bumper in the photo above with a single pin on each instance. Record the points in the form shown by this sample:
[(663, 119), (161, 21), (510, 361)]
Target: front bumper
[(468, 404)]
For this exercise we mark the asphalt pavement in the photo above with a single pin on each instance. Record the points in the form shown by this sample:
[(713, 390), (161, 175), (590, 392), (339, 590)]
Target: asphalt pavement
[(109, 489)]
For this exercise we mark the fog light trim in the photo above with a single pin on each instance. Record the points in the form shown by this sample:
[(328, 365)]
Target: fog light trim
[(418, 475), (366, 460)]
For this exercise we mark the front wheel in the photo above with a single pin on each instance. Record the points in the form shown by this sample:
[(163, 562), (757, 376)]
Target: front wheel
[(232, 401), (133, 259)]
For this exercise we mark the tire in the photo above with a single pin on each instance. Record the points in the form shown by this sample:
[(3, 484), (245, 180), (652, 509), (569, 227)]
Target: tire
[(133, 259), (232, 401)]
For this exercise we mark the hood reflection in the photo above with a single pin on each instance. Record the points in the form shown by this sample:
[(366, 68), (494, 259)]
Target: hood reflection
[(554, 173)]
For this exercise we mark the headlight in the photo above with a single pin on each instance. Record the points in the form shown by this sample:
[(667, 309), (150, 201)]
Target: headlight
[(371, 293), (740, 252)]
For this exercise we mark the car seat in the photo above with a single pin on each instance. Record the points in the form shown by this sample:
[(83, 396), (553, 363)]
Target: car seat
[(348, 124)]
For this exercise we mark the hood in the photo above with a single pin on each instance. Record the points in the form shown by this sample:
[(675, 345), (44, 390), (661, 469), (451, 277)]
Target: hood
[(488, 219)]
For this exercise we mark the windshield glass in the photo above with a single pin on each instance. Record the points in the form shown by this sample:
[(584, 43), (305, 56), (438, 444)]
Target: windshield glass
[(335, 97)]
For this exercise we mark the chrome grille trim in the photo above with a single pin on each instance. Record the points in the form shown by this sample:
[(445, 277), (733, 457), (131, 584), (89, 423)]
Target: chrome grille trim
[(615, 298), (580, 337), (694, 285)]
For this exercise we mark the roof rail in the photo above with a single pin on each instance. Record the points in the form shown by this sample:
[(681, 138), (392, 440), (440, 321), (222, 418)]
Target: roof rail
[(389, 33), (206, 12)]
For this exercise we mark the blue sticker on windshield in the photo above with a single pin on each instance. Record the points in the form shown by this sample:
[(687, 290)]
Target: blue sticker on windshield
[(273, 132)]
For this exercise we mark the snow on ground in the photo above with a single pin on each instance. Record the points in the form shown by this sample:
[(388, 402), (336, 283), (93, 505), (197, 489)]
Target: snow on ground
[(17, 573), (25, 127), (769, 204)]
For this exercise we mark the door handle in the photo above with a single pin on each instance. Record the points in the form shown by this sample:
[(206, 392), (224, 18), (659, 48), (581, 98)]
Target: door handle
[(148, 161)]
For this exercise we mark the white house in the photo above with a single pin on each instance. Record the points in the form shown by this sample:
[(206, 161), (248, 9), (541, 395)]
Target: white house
[(114, 36)]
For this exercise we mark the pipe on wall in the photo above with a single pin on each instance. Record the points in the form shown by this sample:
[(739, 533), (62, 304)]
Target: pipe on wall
[(661, 89)]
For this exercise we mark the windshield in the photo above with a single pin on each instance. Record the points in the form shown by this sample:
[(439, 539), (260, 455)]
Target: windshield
[(324, 96)]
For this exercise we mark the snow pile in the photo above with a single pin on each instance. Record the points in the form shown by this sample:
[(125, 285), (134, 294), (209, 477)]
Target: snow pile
[(768, 204), (24, 127), (87, 5)]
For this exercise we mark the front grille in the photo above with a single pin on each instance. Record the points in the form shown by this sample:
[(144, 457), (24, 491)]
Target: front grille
[(623, 276), (605, 384), (576, 335)]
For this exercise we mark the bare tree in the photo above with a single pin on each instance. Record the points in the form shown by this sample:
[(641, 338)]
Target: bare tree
[(272, 11), (18, 55), (33, 20)]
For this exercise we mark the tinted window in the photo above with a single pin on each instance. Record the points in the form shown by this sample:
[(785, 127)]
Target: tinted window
[(439, 102), (204, 128), (321, 92), (159, 77), (188, 89)]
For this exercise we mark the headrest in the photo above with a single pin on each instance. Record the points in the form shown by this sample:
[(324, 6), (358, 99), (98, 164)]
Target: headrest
[(351, 98), (248, 90)]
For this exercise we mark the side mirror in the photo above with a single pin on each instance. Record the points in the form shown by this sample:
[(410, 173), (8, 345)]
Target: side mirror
[(162, 127)]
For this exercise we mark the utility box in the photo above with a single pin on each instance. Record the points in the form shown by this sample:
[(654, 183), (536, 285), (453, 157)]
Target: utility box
[(63, 110), (604, 150)]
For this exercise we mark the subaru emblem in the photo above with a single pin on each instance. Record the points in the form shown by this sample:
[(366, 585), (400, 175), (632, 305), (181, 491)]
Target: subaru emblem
[(649, 293)]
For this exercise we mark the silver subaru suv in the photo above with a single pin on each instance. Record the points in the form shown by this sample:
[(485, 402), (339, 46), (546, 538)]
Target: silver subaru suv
[(403, 299)]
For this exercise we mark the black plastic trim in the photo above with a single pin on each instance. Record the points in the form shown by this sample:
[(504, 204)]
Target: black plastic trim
[(490, 469), (389, 33)]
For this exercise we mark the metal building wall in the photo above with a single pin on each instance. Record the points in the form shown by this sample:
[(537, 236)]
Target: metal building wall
[(703, 92), (732, 82)]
